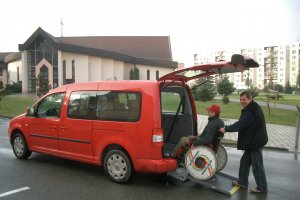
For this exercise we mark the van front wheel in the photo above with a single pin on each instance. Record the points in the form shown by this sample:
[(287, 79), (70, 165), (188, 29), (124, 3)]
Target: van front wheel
[(117, 166), (20, 147)]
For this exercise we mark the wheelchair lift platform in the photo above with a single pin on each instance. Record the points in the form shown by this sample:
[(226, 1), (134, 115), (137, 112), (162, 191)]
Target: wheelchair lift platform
[(220, 182)]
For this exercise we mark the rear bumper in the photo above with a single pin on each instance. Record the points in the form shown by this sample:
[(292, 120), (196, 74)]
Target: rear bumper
[(156, 166)]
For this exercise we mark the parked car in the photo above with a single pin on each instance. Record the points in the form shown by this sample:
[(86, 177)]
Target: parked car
[(125, 126)]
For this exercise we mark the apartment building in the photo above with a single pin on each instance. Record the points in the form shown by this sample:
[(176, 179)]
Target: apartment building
[(278, 64)]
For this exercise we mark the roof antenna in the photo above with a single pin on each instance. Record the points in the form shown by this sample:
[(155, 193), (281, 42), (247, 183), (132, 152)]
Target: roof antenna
[(61, 27)]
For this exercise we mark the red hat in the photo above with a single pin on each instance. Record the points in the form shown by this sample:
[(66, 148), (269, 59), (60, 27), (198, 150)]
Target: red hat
[(214, 108)]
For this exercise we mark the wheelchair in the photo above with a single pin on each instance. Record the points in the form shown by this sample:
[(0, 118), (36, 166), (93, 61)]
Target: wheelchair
[(203, 162)]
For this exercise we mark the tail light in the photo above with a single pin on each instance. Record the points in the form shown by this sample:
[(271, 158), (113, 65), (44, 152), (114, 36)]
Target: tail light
[(157, 135)]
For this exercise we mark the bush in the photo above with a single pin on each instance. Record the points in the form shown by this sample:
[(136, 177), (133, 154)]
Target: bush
[(15, 87), (273, 96), (254, 92)]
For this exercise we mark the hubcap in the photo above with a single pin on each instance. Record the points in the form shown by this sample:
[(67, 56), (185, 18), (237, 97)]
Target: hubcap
[(18, 146), (116, 166)]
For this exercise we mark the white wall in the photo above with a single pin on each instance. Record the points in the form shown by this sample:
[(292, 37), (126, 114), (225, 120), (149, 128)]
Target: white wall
[(13, 71), (143, 71), (81, 66), (87, 69), (107, 69), (95, 68), (3, 78), (118, 70)]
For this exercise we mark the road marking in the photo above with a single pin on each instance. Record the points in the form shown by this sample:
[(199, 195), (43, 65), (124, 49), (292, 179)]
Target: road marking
[(6, 151), (14, 191), (234, 190)]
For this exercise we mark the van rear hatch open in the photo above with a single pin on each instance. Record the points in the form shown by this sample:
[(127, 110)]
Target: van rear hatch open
[(238, 63), (181, 119)]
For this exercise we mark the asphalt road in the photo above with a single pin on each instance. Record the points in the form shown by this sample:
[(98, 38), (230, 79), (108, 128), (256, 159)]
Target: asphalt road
[(45, 177)]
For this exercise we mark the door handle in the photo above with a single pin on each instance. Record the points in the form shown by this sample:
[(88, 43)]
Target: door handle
[(63, 128), (53, 128)]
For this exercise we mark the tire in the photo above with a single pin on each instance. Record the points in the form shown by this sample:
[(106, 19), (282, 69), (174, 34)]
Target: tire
[(20, 146), (201, 162), (222, 158), (118, 166)]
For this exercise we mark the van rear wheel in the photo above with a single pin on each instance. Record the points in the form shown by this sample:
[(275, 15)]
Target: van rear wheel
[(20, 146), (118, 166)]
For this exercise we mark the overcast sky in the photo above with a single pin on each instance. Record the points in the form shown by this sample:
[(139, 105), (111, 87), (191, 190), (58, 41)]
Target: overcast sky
[(194, 26)]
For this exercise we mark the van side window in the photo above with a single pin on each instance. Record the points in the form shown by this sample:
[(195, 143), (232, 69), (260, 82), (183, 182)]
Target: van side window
[(104, 105), (82, 105), (50, 106), (118, 106)]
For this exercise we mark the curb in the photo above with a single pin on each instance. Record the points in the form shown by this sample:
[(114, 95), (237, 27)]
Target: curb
[(7, 117), (232, 143)]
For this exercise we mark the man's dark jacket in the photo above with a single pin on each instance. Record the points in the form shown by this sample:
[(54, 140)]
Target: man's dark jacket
[(252, 131), (210, 134)]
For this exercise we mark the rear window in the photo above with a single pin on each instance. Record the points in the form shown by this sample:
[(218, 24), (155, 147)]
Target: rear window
[(105, 105), (175, 99)]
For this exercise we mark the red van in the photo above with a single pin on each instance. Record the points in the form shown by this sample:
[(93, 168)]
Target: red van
[(126, 126)]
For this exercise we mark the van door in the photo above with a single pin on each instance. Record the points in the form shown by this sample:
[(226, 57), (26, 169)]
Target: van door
[(43, 127), (75, 135)]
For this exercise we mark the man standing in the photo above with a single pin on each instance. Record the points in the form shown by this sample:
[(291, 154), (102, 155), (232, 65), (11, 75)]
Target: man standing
[(210, 135), (252, 137)]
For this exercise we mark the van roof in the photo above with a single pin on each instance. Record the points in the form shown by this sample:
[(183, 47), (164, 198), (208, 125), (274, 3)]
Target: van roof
[(109, 85)]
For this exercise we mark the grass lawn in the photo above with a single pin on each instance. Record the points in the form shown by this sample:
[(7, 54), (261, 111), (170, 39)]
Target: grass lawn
[(14, 105), (288, 99), (233, 110)]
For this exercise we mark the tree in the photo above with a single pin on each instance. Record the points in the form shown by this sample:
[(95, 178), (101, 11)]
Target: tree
[(225, 88), (298, 81), (204, 90), (42, 85), (288, 88), (278, 88), (3, 93)]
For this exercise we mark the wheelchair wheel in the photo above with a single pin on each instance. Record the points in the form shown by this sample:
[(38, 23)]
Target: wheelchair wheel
[(222, 158), (201, 162)]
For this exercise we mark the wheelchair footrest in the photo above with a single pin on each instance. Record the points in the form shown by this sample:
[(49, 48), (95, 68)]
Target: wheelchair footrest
[(180, 174)]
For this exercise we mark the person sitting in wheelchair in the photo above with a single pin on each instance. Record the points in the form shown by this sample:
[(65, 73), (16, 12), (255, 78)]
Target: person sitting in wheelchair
[(210, 135)]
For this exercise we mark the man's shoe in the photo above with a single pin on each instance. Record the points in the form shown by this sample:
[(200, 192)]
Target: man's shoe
[(256, 190), (235, 183)]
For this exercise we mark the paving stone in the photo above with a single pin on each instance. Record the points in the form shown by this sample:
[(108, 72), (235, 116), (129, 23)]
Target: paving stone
[(280, 136)]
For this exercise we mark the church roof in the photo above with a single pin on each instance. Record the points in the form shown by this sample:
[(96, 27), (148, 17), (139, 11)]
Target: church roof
[(148, 50)]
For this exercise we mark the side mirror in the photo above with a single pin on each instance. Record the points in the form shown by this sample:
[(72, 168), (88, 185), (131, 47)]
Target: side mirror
[(30, 112)]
